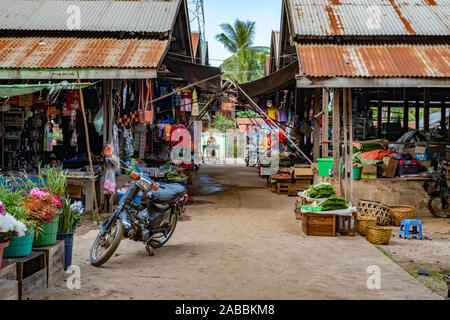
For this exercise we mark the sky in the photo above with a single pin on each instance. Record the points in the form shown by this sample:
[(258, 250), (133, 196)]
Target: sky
[(266, 14)]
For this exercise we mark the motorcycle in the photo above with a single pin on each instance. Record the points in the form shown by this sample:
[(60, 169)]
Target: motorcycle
[(439, 193), (153, 225)]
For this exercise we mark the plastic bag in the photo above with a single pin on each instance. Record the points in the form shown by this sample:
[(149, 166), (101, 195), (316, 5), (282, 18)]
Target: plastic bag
[(98, 122), (109, 188)]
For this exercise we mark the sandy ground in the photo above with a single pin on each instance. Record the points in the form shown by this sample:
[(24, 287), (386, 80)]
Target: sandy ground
[(240, 243)]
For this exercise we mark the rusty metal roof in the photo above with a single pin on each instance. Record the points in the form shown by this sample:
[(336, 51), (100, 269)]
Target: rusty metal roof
[(80, 53), (153, 16), (322, 18), (374, 60)]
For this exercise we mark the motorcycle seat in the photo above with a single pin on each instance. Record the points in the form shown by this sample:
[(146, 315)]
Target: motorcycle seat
[(167, 192)]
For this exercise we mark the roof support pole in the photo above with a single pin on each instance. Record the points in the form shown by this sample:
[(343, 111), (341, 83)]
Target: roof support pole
[(426, 115), (405, 112), (350, 120), (345, 131), (316, 134), (379, 114), (325, 121), (417, 113), (336, 133), (443, 115)]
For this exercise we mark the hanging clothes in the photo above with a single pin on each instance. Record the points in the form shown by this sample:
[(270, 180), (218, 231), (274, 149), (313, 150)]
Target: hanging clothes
[(186, 98)]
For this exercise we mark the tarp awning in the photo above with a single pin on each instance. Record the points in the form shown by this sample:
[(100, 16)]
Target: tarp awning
[(12, 90), (278, 80), (194, 73)]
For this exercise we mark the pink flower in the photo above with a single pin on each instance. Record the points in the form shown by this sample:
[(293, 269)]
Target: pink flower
[(2, 210), (58, 201)]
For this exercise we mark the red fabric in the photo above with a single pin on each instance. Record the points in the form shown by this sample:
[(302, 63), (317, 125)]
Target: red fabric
[(377, 154)]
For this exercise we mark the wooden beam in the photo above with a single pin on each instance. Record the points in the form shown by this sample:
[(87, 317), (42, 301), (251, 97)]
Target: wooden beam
[(426, 116), (336, 133), (345, 131), (325, 120), (350, 119), (316, 134), (342, 82)]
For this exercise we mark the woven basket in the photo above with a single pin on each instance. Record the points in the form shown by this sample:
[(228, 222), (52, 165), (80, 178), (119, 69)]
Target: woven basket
[(362, 223), (375, 209), (401, 212), (379, 235)]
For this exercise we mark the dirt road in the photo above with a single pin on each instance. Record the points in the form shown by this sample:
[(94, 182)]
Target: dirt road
[(240, 243)]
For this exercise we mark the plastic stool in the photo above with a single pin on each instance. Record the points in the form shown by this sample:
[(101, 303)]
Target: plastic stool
[(411, 229)]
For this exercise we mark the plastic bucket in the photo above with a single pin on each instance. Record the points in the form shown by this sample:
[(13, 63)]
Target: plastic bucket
[(357, 173), (19, 247), (48, 235), (68, 248), (122, 193)]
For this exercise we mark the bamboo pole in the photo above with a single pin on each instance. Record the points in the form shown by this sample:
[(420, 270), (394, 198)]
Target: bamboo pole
[(95, 214), (350, 120)]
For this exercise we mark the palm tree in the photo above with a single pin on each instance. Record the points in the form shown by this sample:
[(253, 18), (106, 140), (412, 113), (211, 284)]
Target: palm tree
[(247, 62)]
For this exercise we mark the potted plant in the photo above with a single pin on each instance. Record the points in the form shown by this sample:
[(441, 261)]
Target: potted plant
[(19, 246), (70, 220), (10, 227), (43, 208)]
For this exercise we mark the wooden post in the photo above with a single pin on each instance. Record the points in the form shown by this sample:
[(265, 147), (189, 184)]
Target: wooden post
[(350, 119), (345, 130), (379, 114), (426, 115), (325, 120), (336, 133), (405, 112), (95, 214), (316, 125), (443, 115), (417, 113)]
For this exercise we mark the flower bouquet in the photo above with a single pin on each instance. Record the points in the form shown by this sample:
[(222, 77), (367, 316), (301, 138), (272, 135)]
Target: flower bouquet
[(43, 208), (10, 227)]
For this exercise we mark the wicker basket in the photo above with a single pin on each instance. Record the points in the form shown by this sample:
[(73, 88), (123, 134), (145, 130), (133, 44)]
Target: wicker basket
[(362, 223), (375, 209), (379, 235), (401, 212)]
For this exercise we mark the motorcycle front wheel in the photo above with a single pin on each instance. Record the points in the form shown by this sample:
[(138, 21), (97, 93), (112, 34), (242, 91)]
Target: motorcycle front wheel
[(159, 242), (105, 245), (437, 208)]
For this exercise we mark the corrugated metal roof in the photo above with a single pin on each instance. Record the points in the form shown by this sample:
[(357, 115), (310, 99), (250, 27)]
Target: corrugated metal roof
[(156, 16), (369, 17), (374, 60), (80, 53)]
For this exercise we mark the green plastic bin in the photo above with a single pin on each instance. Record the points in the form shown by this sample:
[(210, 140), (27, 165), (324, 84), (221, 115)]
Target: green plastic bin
[(19, 247), (325, 164), (357, 173), (48, 235)]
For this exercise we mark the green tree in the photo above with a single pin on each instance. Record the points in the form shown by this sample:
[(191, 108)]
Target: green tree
[(222, 123), (247, 62)]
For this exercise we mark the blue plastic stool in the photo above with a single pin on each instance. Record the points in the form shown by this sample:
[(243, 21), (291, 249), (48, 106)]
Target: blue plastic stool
[(411, 229)]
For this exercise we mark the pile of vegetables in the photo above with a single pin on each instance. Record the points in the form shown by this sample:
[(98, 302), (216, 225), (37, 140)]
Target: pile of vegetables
[(334, 203), (320, 191)]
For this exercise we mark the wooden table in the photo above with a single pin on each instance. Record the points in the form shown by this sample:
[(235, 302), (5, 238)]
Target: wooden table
[(86, 183)]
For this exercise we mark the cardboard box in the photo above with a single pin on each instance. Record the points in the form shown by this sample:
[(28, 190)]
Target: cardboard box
[(421, 149), (303, 173), (389, 168), (369, 171), (426, 164), (410, 151)]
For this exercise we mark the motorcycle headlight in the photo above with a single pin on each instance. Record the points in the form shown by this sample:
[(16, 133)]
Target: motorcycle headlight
[(144, 184)]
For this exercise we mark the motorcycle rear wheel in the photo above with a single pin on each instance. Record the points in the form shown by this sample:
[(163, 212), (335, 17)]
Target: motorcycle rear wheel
[(156, 244), (435, 206), (109, 242)]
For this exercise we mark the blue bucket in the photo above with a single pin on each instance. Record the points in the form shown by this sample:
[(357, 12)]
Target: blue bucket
[(68, 248)]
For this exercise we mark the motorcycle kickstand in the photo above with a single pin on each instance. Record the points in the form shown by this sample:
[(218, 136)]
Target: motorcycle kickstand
[(150, 250)]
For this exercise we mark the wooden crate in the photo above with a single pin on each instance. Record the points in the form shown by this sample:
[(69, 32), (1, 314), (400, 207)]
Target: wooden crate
[(283, 188), (31, 274), (293, 190), (54, 260), (9, 290), (8, 272), (75, 192), (346, 225), (323, 225)]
